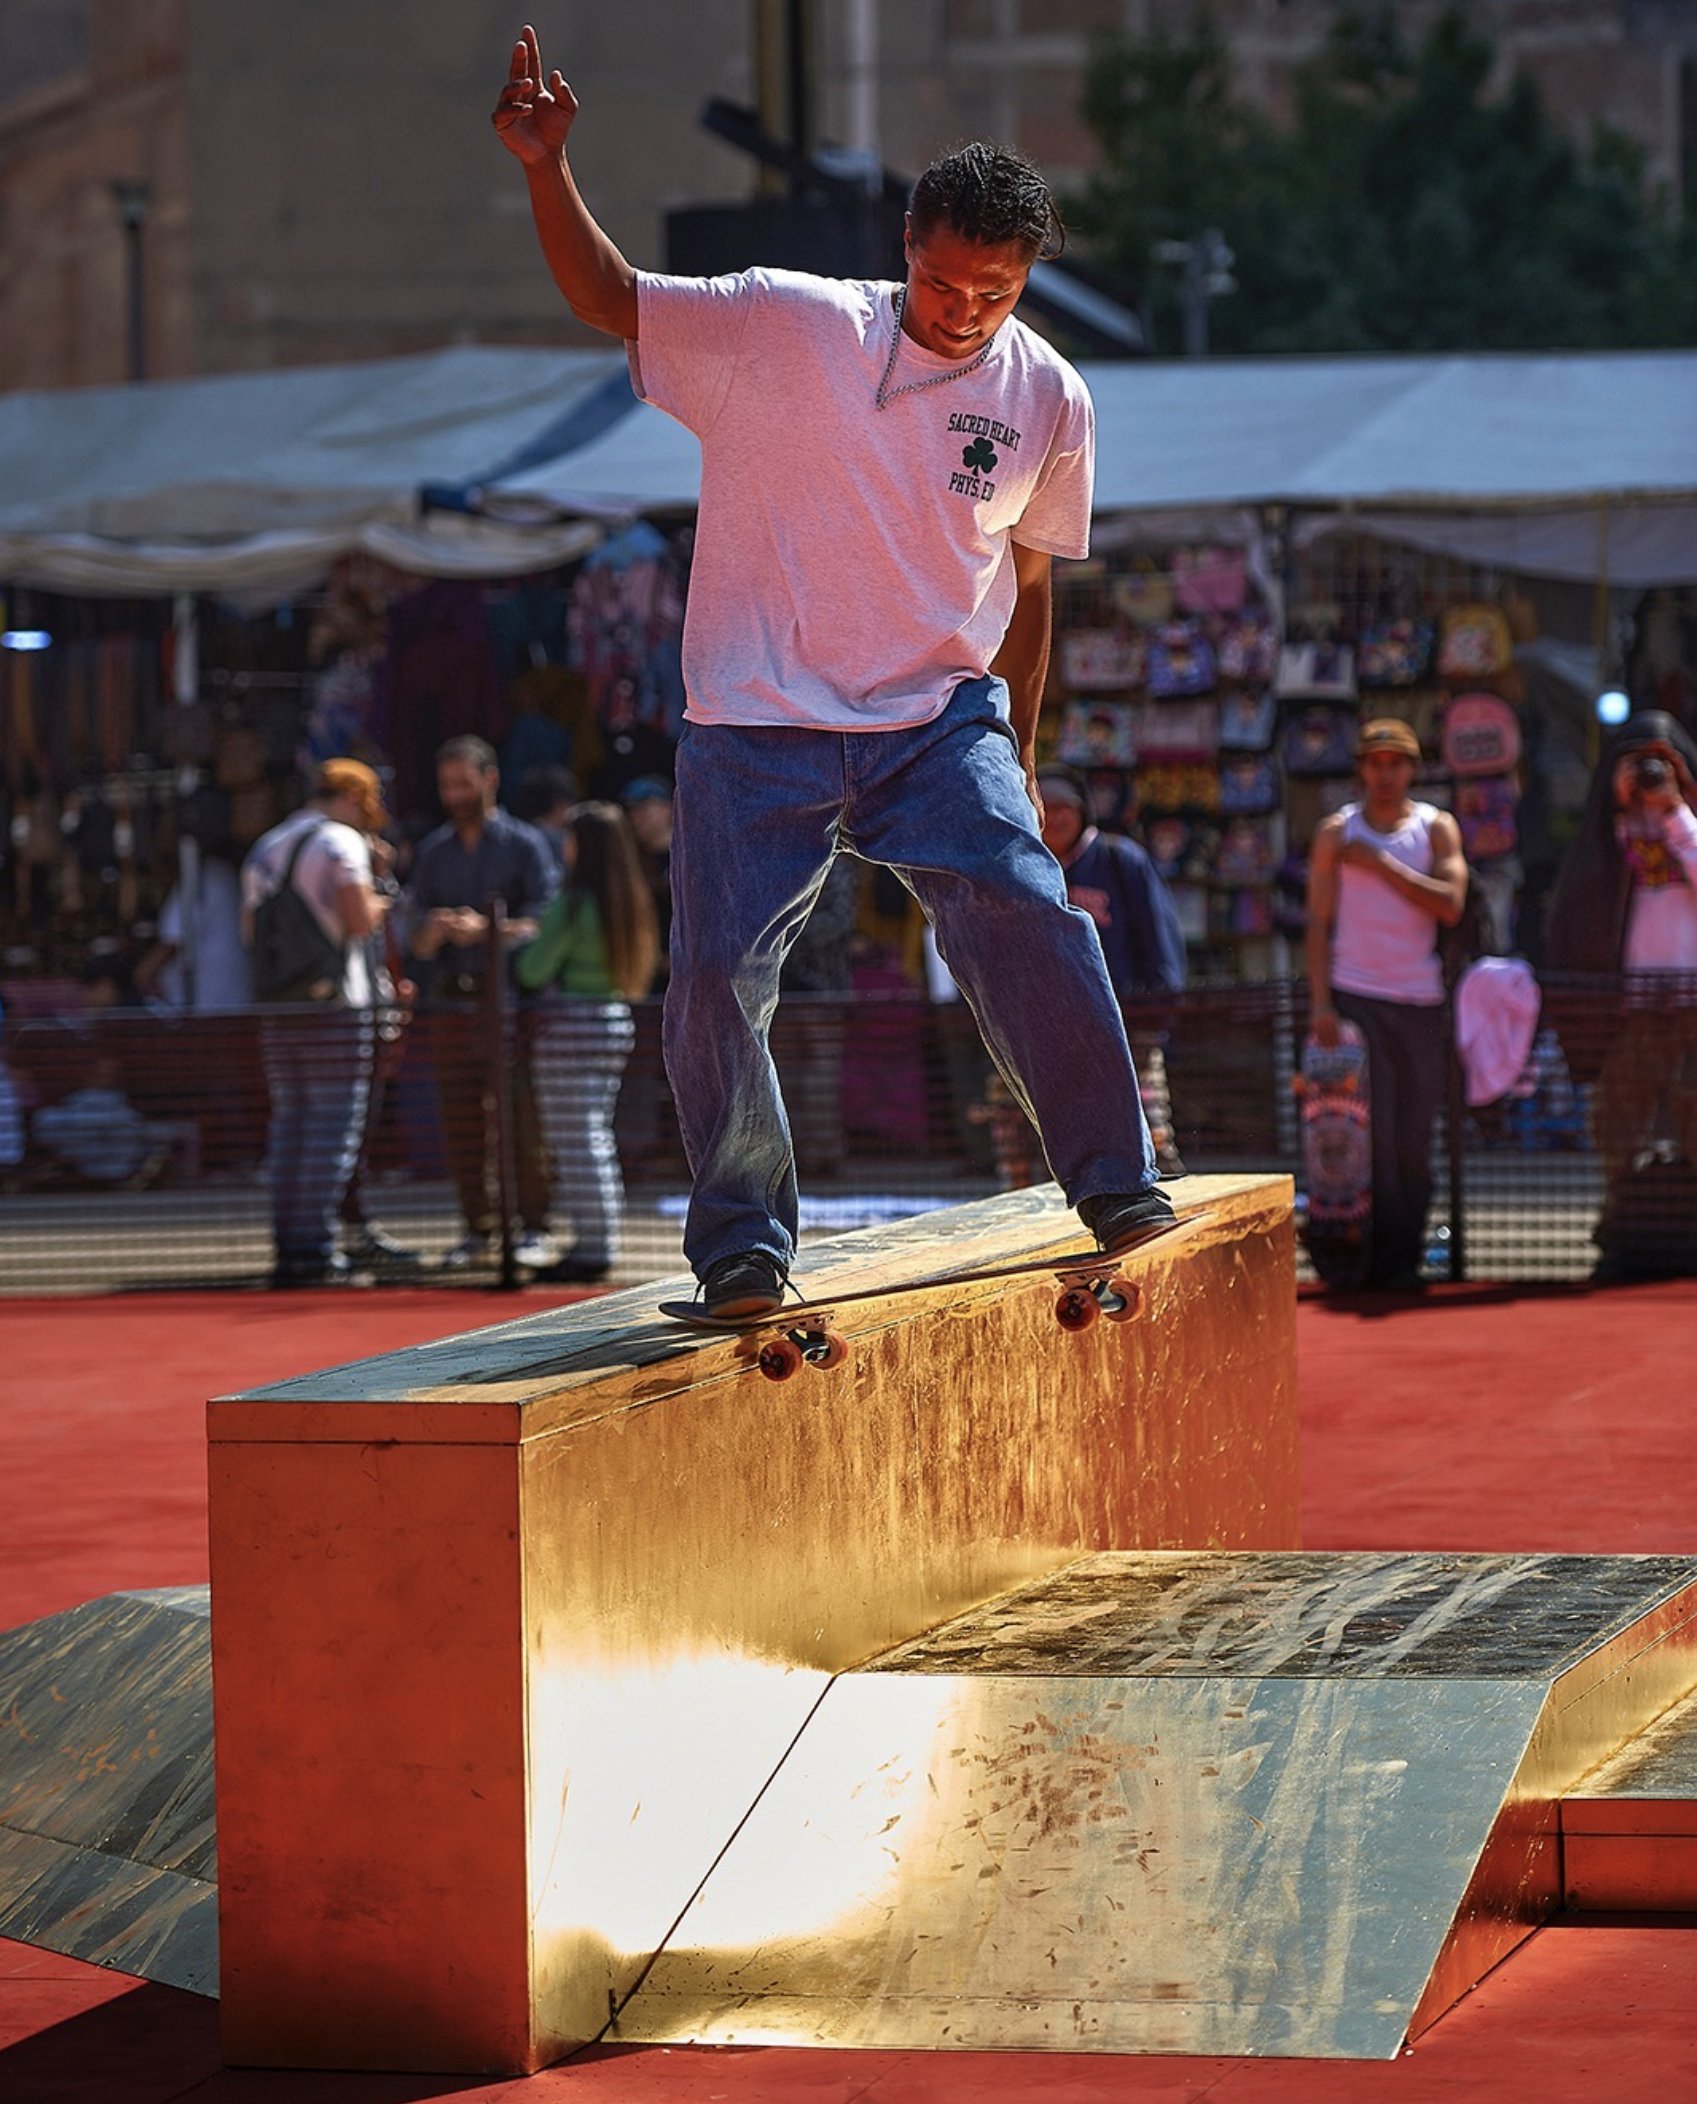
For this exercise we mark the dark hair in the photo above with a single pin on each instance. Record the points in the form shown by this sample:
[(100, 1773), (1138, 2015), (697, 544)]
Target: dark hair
[(608, 868), (989, 194), (478, 751), (539, 789)]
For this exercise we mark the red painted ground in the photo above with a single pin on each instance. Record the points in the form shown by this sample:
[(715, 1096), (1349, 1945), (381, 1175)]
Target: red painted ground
[(1477, 1419)]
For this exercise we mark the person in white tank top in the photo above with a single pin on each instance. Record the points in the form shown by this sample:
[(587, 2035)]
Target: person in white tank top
[(1386, 873)]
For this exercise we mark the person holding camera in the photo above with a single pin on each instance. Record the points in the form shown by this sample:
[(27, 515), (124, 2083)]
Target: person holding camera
[(1625, 902)]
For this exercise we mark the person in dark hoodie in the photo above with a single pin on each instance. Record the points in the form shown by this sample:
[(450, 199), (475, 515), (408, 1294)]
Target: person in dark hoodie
[(1625, 902)]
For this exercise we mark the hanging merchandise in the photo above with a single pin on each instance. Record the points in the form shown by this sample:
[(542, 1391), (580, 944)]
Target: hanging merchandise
[(1169, 841), (1209, 580), (1246, 853), (1249, 783), (1248, 648), (1247, 721), (1145, 595), (1097, 734), (1181, 660), (1481, 735), (1486, 810), (1177, 786), (625, 620), (1395, 653), (1316, 672), (1102, 659), (1178, 730), (1320, 741), (1476, 643)]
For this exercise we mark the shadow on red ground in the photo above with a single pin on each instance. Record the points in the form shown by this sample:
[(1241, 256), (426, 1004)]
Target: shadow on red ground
[(1476, 1418)]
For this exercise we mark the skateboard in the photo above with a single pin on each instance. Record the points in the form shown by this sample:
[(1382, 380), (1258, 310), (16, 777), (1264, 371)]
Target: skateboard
[(805, 1334), (1337, 1157)]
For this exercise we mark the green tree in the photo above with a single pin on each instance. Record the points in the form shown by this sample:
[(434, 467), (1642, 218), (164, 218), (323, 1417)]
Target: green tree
[(1405, 207)]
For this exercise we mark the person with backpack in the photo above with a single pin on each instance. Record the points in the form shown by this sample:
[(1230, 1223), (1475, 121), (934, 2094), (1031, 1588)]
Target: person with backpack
[(309, 906)]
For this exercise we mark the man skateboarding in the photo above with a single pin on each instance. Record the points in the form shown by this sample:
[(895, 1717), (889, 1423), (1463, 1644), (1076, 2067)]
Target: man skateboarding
[(1386, 873), (887, 472)]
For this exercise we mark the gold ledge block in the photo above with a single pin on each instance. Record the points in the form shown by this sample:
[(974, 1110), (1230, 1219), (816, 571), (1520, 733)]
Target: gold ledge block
[(509, 1632)]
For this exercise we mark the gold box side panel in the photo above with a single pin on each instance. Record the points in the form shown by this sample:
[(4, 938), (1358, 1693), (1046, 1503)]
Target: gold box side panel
[(697, 1569), (367, 1681)]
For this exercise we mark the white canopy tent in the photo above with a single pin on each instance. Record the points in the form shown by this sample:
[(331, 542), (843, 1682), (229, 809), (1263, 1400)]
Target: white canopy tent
[(1566, 464)]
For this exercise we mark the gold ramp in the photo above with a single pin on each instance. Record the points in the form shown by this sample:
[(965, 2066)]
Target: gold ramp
[(1180, 1804), (510, 1631)]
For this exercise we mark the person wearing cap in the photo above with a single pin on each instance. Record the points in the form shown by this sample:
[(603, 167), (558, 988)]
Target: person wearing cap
[(1113, 880), (318, 1055), (1386, 873)]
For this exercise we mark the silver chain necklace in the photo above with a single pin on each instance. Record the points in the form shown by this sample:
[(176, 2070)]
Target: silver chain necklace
[(886, 396)]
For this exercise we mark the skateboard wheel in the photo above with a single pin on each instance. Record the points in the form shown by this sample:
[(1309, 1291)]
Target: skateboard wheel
[(1130, 1300), (833, 1351), (1077, 1308), (780, 1360)]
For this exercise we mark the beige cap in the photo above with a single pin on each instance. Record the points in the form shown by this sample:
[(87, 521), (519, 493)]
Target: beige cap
[(1387, 734)]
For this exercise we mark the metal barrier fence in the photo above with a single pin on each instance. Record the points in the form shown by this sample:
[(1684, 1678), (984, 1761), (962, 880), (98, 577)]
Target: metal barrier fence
[(188, 1151)]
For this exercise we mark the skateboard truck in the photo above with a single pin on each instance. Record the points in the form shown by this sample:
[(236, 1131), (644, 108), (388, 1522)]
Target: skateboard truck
[(1085, 1301), (783, 1357)]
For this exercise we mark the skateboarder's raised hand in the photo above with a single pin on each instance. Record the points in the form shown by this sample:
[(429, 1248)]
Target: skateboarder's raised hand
[(533, 117)]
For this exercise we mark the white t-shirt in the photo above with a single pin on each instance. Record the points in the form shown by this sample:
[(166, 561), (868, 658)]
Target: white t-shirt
[(1661, 924), (852, 563), (338, 855), (1382, 946)]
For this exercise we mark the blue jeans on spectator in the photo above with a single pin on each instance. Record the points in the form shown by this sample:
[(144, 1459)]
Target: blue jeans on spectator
[(1408, 1053), (318, 1073), (758, 816), (578, 1057)]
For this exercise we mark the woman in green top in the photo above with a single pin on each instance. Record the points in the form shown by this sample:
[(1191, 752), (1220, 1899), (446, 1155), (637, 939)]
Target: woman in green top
[(594, 953)]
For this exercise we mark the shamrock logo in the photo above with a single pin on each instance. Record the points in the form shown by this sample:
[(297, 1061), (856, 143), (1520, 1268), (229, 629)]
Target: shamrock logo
[(980, 456)]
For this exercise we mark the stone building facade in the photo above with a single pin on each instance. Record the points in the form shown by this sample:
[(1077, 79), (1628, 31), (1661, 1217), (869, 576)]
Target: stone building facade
[(321, 184)]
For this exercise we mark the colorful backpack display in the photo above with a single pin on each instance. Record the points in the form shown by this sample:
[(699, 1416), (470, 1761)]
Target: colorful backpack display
[(1247, 721), (1248, 648), (1210, 580), (1249, 782), (1476, 643), (1395, 653), (1097, 734), (1481, 735), (1485, 810), (1320, 741), (1181, 660), (1316, 672), (1102, 659)]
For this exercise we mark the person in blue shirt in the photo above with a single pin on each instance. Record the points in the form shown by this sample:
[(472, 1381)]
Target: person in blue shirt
[(1113, 880), (482, 854)]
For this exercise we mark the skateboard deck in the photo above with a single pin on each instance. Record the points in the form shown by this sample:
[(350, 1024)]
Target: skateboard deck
[(1337, 1157), (804, 1332)]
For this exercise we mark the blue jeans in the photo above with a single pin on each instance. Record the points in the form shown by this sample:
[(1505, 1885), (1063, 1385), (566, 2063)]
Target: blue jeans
[(318, 1073), (758, 817), (578, 1057)]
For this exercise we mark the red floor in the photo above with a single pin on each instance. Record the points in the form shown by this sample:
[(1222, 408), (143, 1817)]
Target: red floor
[(1477, 1419)]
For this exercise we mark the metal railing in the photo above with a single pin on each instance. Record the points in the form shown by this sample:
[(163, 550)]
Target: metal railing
[(143, 1150)]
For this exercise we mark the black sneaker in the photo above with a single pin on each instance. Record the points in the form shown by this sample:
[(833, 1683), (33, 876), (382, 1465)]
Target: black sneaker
[(750, 1283), (371, 1246), (1118, 1219)]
